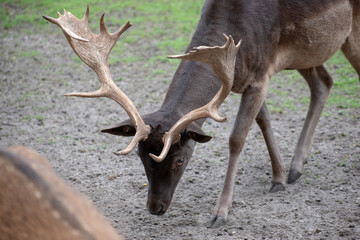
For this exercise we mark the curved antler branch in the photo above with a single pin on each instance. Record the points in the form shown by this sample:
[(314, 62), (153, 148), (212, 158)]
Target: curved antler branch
[(94, 50), (222, 60)]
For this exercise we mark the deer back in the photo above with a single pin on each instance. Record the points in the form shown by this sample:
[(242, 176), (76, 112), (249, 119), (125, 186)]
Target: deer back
[(36, 204)]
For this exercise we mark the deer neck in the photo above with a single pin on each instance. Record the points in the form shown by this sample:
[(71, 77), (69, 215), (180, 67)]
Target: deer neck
[(194, 84)]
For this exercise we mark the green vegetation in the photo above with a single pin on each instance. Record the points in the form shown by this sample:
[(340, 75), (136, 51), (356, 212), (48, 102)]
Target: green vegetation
[(346, 88), (31, 117), (345, 92), (167, 26), (173, 22), (29, 54)]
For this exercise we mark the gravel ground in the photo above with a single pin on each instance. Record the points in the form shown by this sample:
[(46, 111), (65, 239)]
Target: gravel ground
[(37, 69)]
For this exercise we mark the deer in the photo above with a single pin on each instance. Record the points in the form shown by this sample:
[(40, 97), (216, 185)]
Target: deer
[(274, 35), (36, 204)]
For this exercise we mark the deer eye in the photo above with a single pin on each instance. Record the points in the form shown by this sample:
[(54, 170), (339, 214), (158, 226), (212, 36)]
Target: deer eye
[(179, 162)]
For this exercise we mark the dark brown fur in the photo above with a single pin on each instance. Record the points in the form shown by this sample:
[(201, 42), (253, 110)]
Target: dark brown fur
[(276, 35)]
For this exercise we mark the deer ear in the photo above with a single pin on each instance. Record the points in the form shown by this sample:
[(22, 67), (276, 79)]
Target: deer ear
[(126, 128), (195, 132)]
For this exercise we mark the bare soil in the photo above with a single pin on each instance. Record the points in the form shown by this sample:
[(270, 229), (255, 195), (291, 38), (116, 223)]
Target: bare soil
[(37, 69)]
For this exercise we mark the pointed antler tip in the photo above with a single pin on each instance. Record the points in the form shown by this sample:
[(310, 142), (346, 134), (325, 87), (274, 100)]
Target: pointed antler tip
[(86, 15), (127, 24), (102, 19), (156, 158), (122, 29), (238, 45), (50, 19), (103, 28), (183, 56), (223, 119)]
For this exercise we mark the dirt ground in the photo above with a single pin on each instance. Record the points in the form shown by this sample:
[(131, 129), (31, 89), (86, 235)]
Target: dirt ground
[(37, 69)]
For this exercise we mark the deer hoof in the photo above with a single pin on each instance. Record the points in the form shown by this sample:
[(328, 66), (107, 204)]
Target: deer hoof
[(216, 221), (277, 187), (293, 176)]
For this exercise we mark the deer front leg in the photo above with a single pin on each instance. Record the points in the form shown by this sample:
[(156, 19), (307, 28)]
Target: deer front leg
[(320, 83), (277, 163), (251, 102)]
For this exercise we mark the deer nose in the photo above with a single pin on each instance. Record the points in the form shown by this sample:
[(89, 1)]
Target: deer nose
[(156, 208)]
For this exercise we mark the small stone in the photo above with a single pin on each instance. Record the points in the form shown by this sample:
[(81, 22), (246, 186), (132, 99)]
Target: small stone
[(112, 177), (232, 232)]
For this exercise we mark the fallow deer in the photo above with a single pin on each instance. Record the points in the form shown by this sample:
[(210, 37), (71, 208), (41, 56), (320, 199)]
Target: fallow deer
[(36, 204), (276, 35)]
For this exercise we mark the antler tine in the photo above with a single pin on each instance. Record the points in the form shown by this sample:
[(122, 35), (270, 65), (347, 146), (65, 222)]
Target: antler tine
[(103, 29), (86, 15), (222, 60), (94, 51), (118, 33), (64, 27), (51, 19)]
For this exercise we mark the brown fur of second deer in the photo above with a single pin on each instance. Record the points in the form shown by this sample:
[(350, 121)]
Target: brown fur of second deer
[(36, 204)]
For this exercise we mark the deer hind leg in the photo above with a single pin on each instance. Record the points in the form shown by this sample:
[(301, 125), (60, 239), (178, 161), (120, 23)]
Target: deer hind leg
[(277, 163), (320, 83), (351, 49)]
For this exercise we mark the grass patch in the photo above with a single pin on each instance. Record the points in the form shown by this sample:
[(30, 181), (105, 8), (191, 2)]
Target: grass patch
[(173, 22), (129, 59), (345, 92), (165, 27), (29, 54), (25, 97), (31, 117)]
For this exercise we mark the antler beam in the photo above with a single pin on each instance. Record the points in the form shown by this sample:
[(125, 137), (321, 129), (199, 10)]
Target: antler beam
[(222, 60), (94, 50)]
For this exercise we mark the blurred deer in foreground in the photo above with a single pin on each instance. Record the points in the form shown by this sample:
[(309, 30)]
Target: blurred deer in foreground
[(36, 204), (276, 35)]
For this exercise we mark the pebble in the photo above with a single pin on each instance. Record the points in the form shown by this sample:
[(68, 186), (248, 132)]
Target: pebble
[(232, 232)]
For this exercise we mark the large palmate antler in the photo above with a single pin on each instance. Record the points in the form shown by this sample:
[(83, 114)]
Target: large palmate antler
[(222, 60), (94, 51)]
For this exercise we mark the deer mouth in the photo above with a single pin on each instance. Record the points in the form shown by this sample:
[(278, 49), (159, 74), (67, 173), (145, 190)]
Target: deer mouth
[(157, 208), (159, 212)]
